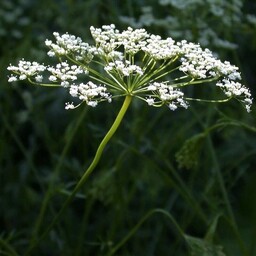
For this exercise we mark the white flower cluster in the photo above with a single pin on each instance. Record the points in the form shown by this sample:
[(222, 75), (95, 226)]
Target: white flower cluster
[(64, 72), (202, 64), (105, 37), (89, 93), (125, 69), (164, 93), (132, 62), (69, 44), (160, 49), (236, 89), (133, 40), (24, 70)]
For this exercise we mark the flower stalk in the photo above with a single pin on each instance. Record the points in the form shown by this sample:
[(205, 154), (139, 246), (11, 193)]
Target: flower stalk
[(89, 170)]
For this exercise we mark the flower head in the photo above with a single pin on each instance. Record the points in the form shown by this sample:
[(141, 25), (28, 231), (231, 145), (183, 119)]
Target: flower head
[(25, 69), (132, 62), (166, 94)]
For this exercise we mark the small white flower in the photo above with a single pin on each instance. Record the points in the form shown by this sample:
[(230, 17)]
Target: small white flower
[(52, 78), (12, 78), (65, 83), (172, 106), (51, 53), (48, 42), (23, 77), (150, 101), (39, 78), (69, 105), (92, 103), (73, 90)]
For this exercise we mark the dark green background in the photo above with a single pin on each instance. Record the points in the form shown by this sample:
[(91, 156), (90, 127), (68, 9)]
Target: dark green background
[(42, 143)]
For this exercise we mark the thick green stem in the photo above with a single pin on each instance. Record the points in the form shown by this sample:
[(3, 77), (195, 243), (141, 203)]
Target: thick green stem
[(89, 170)]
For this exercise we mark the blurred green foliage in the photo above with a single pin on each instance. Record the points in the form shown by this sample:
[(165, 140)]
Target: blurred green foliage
[(44, 149)]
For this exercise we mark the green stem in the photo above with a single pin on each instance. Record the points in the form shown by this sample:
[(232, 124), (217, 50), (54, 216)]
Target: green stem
[(89, 170), (138, 225), (10, 250), (103, 143)]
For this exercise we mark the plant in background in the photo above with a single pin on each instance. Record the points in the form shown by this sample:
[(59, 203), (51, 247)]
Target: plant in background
[(178, 19), (9, 15), (130, 64)]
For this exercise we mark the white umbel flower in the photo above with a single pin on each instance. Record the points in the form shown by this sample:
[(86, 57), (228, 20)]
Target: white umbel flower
[(90, 93), (162, 93), (132, 62), (25, 69)]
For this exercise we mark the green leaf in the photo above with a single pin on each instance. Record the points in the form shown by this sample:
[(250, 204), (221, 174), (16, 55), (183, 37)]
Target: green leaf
[(201, 247)]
